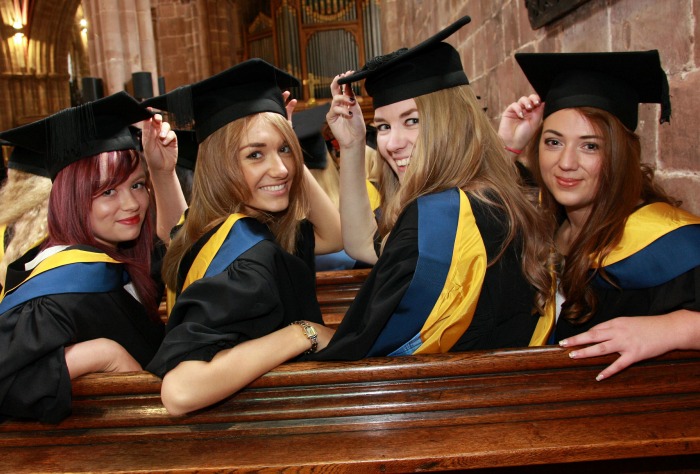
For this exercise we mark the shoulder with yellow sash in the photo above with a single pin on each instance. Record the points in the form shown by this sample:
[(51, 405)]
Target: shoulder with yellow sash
[(76, 269), (659, 243), (237, 234)]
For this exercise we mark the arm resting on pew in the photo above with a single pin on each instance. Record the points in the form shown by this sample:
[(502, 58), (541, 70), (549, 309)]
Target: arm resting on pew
[(637, 338), (193, 384)]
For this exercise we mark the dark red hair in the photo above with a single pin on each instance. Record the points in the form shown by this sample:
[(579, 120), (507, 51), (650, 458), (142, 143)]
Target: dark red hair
[(70, 204)]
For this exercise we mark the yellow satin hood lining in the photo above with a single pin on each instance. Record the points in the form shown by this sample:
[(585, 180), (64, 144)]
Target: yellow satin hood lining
[(204, 257), (65, 257), (454, 310), (646, 225)]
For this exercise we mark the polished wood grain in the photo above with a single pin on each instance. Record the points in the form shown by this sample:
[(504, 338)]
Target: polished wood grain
[(504, 409)]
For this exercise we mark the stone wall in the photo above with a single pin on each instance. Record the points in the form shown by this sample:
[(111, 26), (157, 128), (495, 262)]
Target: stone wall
[(501, 28), (197, 38)]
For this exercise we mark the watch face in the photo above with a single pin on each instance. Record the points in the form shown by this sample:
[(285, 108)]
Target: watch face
[(311, 331)]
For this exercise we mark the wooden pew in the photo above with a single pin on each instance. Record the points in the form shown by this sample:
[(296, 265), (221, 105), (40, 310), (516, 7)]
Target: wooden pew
[(335, 291), (520, 410)]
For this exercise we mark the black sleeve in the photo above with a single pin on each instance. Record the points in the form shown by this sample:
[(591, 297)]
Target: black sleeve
[(682, 292), (379, 296), (34, 379), (260, 292)]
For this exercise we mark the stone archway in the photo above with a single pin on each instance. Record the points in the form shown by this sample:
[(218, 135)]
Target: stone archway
[(34, 74)]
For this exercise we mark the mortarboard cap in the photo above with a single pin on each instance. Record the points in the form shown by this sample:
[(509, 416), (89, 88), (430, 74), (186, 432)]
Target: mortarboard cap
[(308, 125), (24, 159), (86, 130), (407, 73), (247, 88), (614, 82), (187, 148)]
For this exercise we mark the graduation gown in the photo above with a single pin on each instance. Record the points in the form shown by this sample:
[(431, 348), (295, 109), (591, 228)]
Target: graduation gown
[(237, 284), (656, 267), (432, 291), (80, 300)]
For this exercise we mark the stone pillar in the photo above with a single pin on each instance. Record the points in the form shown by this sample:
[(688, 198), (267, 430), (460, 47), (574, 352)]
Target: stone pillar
[(121, 41)]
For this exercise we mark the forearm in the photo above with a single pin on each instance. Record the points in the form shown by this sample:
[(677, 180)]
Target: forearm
[(683, 330), (197, 384), (324, 216), (170, 202), (357, 220)]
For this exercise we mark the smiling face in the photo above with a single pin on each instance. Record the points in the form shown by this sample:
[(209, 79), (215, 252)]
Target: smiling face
[(117, 213), (268, 166), (570, 160), (397, 132)]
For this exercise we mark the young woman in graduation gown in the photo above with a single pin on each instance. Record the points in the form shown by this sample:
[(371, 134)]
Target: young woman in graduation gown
[(83, 301), (25, 202), (462, 266), (241, 266), (625, 248)]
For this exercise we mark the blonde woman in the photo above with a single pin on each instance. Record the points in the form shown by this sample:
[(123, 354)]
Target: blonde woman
[(241, 266), (462, 267), (24, 199)]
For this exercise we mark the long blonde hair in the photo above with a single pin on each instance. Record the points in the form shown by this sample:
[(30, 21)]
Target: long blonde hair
[(472, 158), (219, 189), (329, 179), (24, 200)]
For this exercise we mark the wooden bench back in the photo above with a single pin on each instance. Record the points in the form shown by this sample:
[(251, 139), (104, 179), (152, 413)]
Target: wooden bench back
[(450, 411), (335, 291)]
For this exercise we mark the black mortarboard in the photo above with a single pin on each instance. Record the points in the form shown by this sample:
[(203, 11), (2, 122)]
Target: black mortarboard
[(308, 125), (407, 73), (247, 88), (89, 129), (614, 82), (24, 159), (187, 148)]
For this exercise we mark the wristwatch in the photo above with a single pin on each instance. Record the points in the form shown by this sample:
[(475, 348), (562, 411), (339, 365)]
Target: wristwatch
[(310, 333)]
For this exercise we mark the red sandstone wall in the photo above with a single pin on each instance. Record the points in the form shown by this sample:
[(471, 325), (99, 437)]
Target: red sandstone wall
[(501, 28)]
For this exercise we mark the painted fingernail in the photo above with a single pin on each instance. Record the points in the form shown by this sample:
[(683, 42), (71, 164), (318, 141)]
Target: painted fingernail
[(600, 377), (563, 343), (573, 354)]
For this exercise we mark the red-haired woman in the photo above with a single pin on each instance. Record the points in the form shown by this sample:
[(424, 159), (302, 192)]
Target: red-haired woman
[(83, 301)]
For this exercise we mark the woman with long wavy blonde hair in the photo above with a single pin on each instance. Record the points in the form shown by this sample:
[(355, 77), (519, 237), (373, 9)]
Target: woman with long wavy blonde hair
[(462, 263), (241, 267), (25, 200)]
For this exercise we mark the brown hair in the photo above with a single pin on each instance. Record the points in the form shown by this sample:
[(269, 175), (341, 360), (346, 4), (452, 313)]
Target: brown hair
[(623, 183), (219, 189)]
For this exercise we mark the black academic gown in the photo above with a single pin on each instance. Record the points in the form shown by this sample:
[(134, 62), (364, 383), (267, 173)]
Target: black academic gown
[(34, 379), (657, 270), (504, 310), (264, 289), (682, 292)]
